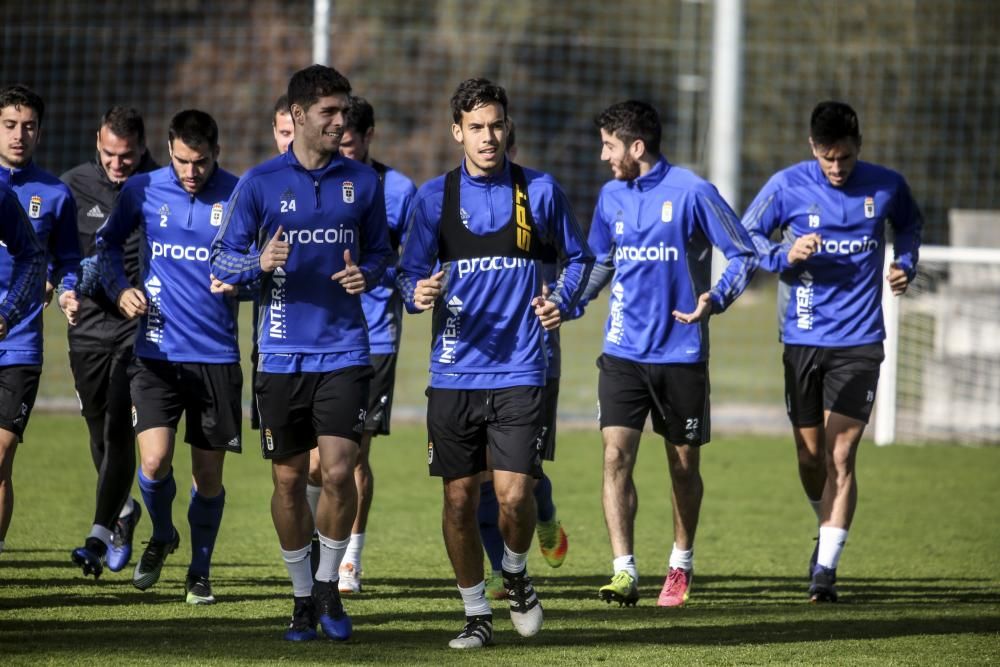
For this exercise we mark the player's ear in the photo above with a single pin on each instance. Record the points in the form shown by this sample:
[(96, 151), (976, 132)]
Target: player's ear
[(456, 132), (637, 149), (298, 114)]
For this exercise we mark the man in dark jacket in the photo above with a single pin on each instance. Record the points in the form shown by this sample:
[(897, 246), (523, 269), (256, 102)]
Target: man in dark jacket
[(100, 345)]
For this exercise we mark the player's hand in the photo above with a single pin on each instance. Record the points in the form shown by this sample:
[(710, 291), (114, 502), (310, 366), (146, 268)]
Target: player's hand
[(547, 312), (803, 248), (3, 327), (70, 306), (219, 287), (898, 280), (350, 278), (274, 253), (49, 291), (132, 303), (428, 290), (701, 311)]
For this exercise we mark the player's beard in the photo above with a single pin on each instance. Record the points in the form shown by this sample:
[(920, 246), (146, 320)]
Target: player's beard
[(629, 168)]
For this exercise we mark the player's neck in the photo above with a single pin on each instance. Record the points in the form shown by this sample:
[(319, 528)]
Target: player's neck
[(311, 159)]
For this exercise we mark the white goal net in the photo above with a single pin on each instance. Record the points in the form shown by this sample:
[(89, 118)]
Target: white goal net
[(941, 378)]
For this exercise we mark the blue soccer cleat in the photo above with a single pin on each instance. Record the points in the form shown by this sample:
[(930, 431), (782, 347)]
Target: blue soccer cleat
[(821, 588), (90, 557), (120, 552), (303, 625), (330, 612)]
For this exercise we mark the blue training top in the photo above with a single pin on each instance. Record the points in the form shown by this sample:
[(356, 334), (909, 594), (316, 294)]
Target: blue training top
[(22, 276)]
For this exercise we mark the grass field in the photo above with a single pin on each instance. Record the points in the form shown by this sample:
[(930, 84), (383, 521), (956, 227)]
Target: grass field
[(919, 578)]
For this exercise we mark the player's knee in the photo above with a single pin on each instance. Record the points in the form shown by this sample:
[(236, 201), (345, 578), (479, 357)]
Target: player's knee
[(338, 475), (685, 473), (811, 460), (289, 484), (154, 466)]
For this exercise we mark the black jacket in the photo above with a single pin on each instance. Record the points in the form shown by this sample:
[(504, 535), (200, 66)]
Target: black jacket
[(101, 326)]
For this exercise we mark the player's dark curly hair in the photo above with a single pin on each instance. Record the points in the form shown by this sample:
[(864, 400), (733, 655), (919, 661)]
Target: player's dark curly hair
[(833, 121), (125, 122), (308, 85), (20, 95), (195, 128), (473, 93), (631, 120), (359, 116)]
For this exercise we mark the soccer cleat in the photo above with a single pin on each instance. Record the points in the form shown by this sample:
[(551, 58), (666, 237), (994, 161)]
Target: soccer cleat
[(120, 552), (478, 632), (622, 590), (350, 579), (198, 589), (525, 609), (147, 570), (90, 557), (676, 588), (303, 625), (494, 586), (330, 612), (553, 542), (821, 588)]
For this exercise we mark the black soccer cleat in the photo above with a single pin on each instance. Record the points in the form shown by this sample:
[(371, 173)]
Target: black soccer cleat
[(821, 588), (90, 557), (147, 570)]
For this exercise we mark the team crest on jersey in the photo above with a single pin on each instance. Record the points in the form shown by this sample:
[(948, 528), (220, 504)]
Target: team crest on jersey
[(813, 216), (430, 452), (164, 214), (869, 207), (667, 212), (35, 207), (216, 219), (348, 190)]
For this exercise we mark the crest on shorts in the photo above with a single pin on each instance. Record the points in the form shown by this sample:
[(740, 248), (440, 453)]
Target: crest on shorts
[(216, 219), (667, 211), (268, 440), (430, 452), (35, 207), (135, 417), (348, 189), (869, 207)]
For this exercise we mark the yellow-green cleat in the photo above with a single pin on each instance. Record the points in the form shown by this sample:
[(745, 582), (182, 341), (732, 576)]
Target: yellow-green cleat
[(494, 586), (553, 542), (622, 590)]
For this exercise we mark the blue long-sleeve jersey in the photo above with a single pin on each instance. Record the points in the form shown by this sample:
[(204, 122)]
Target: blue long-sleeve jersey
[(185, 322), (52, 212), (653, 238), (834, 298), (22, 276), (307, 321), (485, 333), (382, 304)]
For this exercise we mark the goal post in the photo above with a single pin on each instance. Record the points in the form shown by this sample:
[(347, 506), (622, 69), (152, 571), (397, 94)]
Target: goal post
[(940, 381)]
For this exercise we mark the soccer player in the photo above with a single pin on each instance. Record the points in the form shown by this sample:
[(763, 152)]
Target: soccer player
[(832, 212), (383, 311), (22, 282), (282, 125), (319, 221), (552, 539), (101, 344), (653, 231), (51, 211), (186, 351), (487, 223)]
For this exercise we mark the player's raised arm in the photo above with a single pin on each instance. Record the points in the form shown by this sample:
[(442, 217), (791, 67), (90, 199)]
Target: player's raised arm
[(233, 258)]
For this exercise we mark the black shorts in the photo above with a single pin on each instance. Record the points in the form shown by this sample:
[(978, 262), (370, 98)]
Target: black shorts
[(209, 395), (380, 394), (675, 394), (463, 423), (254, 413), (838, 379), (551, 405), (18, 389), (94, 371), (296, 408)]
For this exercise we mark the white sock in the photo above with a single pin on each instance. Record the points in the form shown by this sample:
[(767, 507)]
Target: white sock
[(513, 562), (815, 504), (682, 559), (312, 497), (831, 544), (353, 555), (627, 564), (127, 508), (299, 570), (331, 552), (475, 600), (101, 533)]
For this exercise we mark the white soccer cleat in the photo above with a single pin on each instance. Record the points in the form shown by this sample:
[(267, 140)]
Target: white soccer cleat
[(525, 608), (350, 579)]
